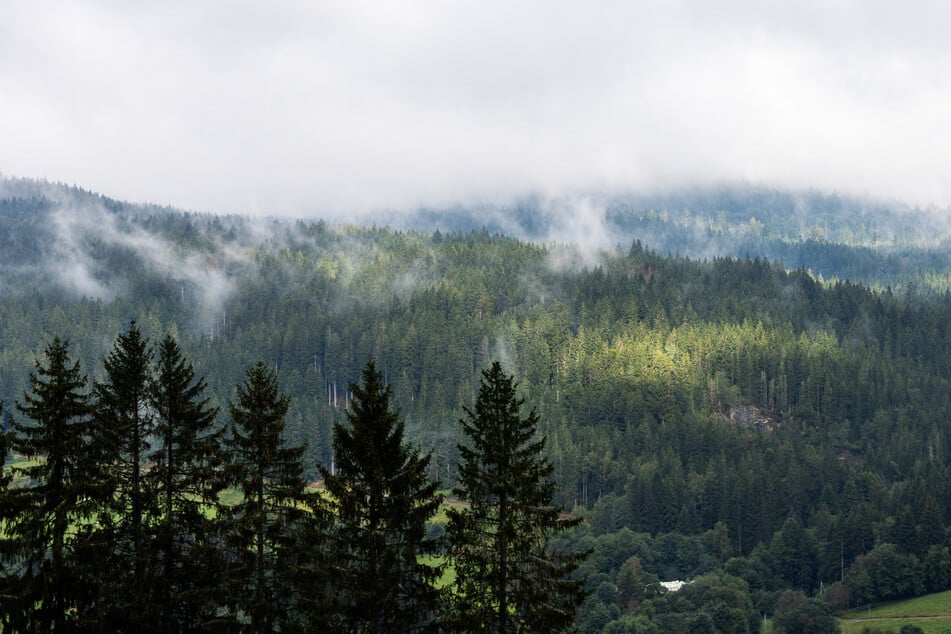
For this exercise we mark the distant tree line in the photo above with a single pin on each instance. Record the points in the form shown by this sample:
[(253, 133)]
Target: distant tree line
[(127, 507)]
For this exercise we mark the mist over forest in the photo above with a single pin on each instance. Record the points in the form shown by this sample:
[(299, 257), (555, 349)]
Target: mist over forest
[(741, 386)]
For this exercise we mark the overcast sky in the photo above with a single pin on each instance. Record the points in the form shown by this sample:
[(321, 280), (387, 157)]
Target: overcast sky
[(323, 107)]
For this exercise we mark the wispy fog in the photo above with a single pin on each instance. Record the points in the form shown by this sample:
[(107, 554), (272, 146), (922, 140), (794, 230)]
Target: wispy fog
[(80, 233), (342, 108), (91, 250)]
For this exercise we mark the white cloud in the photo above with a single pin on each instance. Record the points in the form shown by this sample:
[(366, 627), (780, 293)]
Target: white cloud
[(339, 107)]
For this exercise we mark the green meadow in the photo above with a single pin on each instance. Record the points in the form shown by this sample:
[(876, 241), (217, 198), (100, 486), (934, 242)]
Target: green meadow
[(932, 613)]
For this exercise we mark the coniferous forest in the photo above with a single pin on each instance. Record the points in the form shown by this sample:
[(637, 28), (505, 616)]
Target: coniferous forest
[(224, 423)]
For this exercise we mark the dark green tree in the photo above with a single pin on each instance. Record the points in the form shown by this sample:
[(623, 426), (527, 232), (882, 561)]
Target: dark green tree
[(634, 585), (793, 552), (508, 577), (382, 499), (710, 603), (184, 477), (53, 434), (904, 532), (265, 528), (936, 569), (125, 428), (930, 527), (797, 614), (7, 514), (7, 510)]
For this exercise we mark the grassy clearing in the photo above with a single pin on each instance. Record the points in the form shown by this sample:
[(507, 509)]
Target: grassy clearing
[(441, 517), (230, 497), (448, 572), (16, 464), (932, 613), (928, 625), (938, 604)]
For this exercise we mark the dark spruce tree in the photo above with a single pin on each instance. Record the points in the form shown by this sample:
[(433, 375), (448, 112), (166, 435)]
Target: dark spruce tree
[(508, 576), (184, 477), (125, 427), (8, 567), (267, 527), (52, 432), (382, 498), (7, 510)]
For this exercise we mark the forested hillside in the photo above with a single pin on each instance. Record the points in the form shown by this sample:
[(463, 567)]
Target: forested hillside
[(719, 413)]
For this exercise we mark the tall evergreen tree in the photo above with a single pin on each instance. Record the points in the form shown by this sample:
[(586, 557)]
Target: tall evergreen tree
[(508, 578), (7, 510), (125, 426), (54, 434), (184, 478), (382, 499), (930, 527), (267, 525), (10, 568)]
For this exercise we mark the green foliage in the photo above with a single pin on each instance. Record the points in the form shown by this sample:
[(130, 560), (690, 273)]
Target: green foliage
[(264, 529), (383, 577), (8, 543), (797, 614), (41, 565), (884, 574), (184, 476), (124, 431), (691, 408), (936, 568), (793, 555), (508, 578), (712, 603), (634, 585)]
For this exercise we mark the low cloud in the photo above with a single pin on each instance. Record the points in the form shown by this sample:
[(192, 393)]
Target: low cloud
[(581, 231), (83, 234), (341, 109)]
